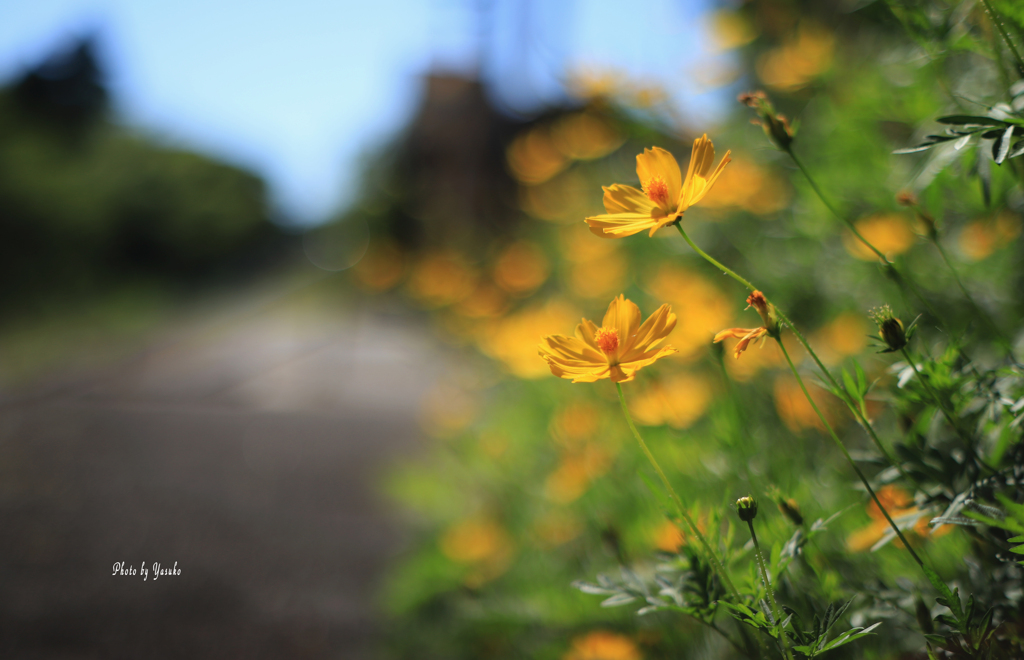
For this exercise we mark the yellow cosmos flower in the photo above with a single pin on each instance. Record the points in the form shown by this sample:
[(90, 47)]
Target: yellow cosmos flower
[(665, 194), (616, 350)]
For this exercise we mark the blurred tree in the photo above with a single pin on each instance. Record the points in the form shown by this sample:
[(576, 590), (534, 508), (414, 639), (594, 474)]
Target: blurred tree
[(85, 203)]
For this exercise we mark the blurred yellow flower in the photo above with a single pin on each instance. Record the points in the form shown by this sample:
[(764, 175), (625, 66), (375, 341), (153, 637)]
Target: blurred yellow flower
[(598, 278), (669, 537), (798, 61), (486, 301), (533, 158), (585, 135), (891, 233), (561, 199), (707, 309), (513, 339), (898, 503), (577, 245), (603, 645), (521, 268), (678, 401), (665, 194), (440, 279), (980, 238), (616, 350), (575, 472), (750, 187), (574, 424), (844, 335), (730, 29), (795, 410), (481, 543)]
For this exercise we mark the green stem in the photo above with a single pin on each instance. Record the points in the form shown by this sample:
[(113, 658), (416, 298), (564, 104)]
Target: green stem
[(849, 458), (833, 209), (894, 273), (771, 592), (967, 294), (1005, 36), (712, 556), (859, 414)]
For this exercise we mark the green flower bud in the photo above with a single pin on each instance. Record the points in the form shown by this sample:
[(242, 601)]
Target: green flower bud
[(746, 507), (890, 329)]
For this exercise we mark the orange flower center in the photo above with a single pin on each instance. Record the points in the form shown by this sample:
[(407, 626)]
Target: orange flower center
[(607, 340), (657, 190)]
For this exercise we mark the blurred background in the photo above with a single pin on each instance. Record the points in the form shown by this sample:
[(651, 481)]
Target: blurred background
[(272, 281)]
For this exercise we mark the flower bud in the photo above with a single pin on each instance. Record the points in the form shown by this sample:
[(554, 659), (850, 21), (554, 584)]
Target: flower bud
[(890, 329), (746, 507)]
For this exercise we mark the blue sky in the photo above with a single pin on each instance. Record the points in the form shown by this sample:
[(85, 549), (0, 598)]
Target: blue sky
[(299, 92)]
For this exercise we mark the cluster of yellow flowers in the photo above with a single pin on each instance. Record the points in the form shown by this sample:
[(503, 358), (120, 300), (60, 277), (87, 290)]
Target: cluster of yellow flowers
[(622, 345)]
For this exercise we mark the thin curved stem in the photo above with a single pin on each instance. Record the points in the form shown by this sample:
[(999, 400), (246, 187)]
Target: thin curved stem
[(768, 588), (967, 294), (712, 556), (834, 210), (862, 418), (849, 458), (1004, 35), (899, 277)]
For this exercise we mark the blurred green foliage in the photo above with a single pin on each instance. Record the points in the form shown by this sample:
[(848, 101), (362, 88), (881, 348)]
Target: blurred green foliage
[(86, 204)]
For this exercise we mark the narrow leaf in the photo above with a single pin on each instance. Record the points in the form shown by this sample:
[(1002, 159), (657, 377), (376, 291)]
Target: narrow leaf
[(1001, 147), (970, 120)]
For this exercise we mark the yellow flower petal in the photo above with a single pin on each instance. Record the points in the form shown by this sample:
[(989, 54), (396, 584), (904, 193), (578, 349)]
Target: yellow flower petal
[(622, 316), (626, 199), (697, 182), (656, 162), (653, 331), (619, 225)]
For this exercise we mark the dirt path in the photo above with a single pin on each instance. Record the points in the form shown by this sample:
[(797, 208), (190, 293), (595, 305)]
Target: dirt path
[(245, 448)]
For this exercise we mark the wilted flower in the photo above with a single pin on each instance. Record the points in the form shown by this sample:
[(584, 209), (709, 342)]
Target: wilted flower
[(775, 125), (745, 336), (665, 194), (616, 350), (768, 315)]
